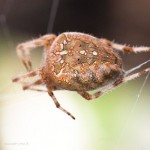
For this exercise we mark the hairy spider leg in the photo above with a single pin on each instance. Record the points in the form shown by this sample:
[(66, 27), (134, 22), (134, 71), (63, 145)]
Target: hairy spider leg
[(27, 85), (35, 83), (125, 48), (19, 78), (37, 89), (120, 81), (58, 105), (23, 49), (88, 96)]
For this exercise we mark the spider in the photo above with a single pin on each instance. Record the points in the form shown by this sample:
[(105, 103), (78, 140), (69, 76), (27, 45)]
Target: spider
[(76, 62)]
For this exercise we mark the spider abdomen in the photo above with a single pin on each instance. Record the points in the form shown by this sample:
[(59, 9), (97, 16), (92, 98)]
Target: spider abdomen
[(81, 62)]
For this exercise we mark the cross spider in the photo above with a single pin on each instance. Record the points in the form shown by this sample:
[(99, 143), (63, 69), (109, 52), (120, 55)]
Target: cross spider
[(76, 62)]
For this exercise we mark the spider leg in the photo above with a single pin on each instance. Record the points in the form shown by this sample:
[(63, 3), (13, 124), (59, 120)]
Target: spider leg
[(125, 48), (88, 96), (58, 105), (37, 89), (27, 85), (135, 75), (30, 85), (29, 74), (23, 49), (118, 82)]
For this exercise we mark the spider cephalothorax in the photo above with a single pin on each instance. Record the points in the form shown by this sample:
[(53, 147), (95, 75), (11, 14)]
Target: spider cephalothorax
[(77, 62)]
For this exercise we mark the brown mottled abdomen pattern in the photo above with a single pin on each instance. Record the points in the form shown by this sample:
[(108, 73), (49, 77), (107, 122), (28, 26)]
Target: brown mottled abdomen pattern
[(81, 62)]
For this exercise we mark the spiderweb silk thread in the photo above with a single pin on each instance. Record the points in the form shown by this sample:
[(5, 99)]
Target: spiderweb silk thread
[(137, 67), (52, 16)]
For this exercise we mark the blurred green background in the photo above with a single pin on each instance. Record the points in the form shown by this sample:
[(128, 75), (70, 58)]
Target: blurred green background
[(29, 120)]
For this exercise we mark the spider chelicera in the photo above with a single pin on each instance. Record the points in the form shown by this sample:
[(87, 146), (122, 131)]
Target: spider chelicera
[(76, 62)]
